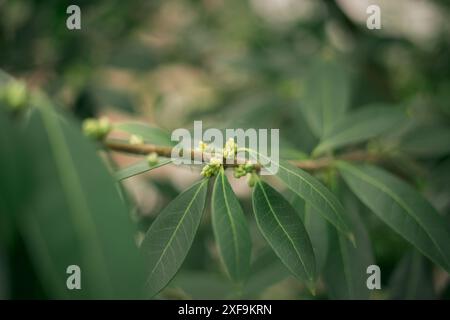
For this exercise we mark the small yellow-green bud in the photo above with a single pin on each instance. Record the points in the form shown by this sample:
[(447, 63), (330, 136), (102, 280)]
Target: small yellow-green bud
[(104, 126), (15, 95), (206, 171), (243, 169), (152, 159), (90, 127), (230, 148), (202, 146), (215, 162), (135, 139), (249, 167), (97, 129), (251, 179), (239, 171), (212, 168)]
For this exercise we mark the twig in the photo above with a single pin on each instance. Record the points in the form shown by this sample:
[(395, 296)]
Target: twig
[(325, 162), (310, 164), (145, 149)]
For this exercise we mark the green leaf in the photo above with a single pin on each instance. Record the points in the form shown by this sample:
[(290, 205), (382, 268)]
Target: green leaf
[(315, 225), (284, 231), (150, 134), (266, 270), (359, 126), (201, 285), (138, 168), (326, 95), (309, 189), (76, 216), (317, 228), (402, 208), (427, 141), (16, 183), (170, 236), (315, 194), (346, 265), (230, 229), (439, 177), (412, 278)]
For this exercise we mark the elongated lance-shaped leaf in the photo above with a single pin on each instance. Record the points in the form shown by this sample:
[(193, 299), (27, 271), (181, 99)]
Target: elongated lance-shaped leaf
[(326, 95), (427, 141), (76, 216), (316, 195), (16, 178), (284, 231), (344, 271), (316, 226), (150, 134), (201, 285), (170, 236), (230, 229), (346, 265), (16, 183), (311, 190), (266, 270), (412, 278), (138, 168), (359, 126), (402, 208)]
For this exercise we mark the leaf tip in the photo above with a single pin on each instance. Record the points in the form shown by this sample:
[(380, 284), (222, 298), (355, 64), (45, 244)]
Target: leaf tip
[(311, 288), (352, 239)]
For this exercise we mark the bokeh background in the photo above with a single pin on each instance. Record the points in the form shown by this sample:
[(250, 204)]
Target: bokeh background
[(239, 63)]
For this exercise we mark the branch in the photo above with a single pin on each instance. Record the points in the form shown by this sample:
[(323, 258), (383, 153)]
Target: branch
[(309, 165)]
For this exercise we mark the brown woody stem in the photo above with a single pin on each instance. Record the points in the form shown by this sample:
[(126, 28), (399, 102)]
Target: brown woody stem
[(310, 164)]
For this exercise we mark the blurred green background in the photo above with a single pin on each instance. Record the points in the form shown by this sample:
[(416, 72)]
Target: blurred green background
[(240, 63)]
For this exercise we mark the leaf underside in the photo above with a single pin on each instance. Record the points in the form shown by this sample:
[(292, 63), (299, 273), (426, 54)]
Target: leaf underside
[(230, 229), (402, 208), (170, 236), (284, 231)]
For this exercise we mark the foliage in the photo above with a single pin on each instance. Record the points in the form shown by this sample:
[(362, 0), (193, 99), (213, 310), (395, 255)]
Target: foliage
[(362, 180)]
